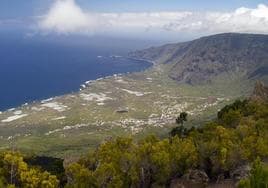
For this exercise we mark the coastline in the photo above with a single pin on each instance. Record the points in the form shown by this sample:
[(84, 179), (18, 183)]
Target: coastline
[(141, 59), (87, 83), (82, 85)]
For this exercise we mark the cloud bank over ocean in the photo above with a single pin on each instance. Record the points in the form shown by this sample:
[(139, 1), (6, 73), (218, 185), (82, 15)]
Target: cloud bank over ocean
[(66, 17)]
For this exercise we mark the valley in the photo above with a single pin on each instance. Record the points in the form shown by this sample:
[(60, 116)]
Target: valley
[(134, 104)]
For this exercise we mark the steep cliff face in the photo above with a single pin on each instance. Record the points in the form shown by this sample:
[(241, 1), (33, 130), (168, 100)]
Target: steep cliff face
[(163, 54), (201, 60)]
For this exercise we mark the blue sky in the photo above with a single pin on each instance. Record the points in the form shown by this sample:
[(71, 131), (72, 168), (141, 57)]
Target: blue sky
[(135, 18), (160, 5), (10, 9)]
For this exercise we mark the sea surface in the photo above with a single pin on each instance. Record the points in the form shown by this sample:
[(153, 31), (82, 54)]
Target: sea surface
[(34, 69)]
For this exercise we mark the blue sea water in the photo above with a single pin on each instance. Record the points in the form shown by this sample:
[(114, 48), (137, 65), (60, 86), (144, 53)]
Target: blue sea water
[(33, 69)]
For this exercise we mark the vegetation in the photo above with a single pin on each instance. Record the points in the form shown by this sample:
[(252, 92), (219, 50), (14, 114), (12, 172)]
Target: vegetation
[(217, 148), (239, 136), (14, 172), (182, 117), (258, 177), (180, 130)]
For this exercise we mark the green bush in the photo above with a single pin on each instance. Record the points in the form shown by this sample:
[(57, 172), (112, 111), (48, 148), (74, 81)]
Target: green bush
[(258, 177)]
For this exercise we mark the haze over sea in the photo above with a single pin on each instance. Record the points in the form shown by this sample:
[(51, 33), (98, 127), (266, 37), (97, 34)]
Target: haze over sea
[(35, 68)]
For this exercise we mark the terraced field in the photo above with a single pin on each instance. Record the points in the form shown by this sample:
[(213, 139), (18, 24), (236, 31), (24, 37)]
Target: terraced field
[(133, 104)]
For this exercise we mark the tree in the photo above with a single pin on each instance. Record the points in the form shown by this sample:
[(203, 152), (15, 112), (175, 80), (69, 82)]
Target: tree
[(181, 118), (116, 160), (21, 175), (14, 164), (179, 130), (79, 176), (183, 155), (153, 161)]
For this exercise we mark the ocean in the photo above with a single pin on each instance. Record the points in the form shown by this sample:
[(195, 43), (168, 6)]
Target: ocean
[(35, 69)]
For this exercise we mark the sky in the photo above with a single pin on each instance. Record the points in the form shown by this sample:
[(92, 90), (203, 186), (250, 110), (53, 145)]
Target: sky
[(171, 19)]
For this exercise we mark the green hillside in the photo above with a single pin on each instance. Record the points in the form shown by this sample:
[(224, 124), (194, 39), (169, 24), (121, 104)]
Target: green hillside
[(227, 151)]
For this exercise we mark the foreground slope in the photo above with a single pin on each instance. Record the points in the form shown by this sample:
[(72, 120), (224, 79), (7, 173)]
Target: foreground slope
[(229, 151)]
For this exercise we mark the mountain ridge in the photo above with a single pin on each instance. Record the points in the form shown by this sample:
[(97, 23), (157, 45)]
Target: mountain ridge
[(200, 60)]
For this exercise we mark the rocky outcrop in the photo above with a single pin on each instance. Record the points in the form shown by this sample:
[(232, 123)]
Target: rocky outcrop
[(196, 176), (192, 179), (260, 92), (241, 172)]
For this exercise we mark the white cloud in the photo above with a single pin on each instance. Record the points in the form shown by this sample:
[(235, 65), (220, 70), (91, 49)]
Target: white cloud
[(65, 16)]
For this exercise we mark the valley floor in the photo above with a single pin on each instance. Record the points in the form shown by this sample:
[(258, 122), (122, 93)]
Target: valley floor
[(131, 104)]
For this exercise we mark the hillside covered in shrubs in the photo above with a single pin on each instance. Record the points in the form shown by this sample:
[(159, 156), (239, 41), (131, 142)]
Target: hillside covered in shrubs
[(233, 147)]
